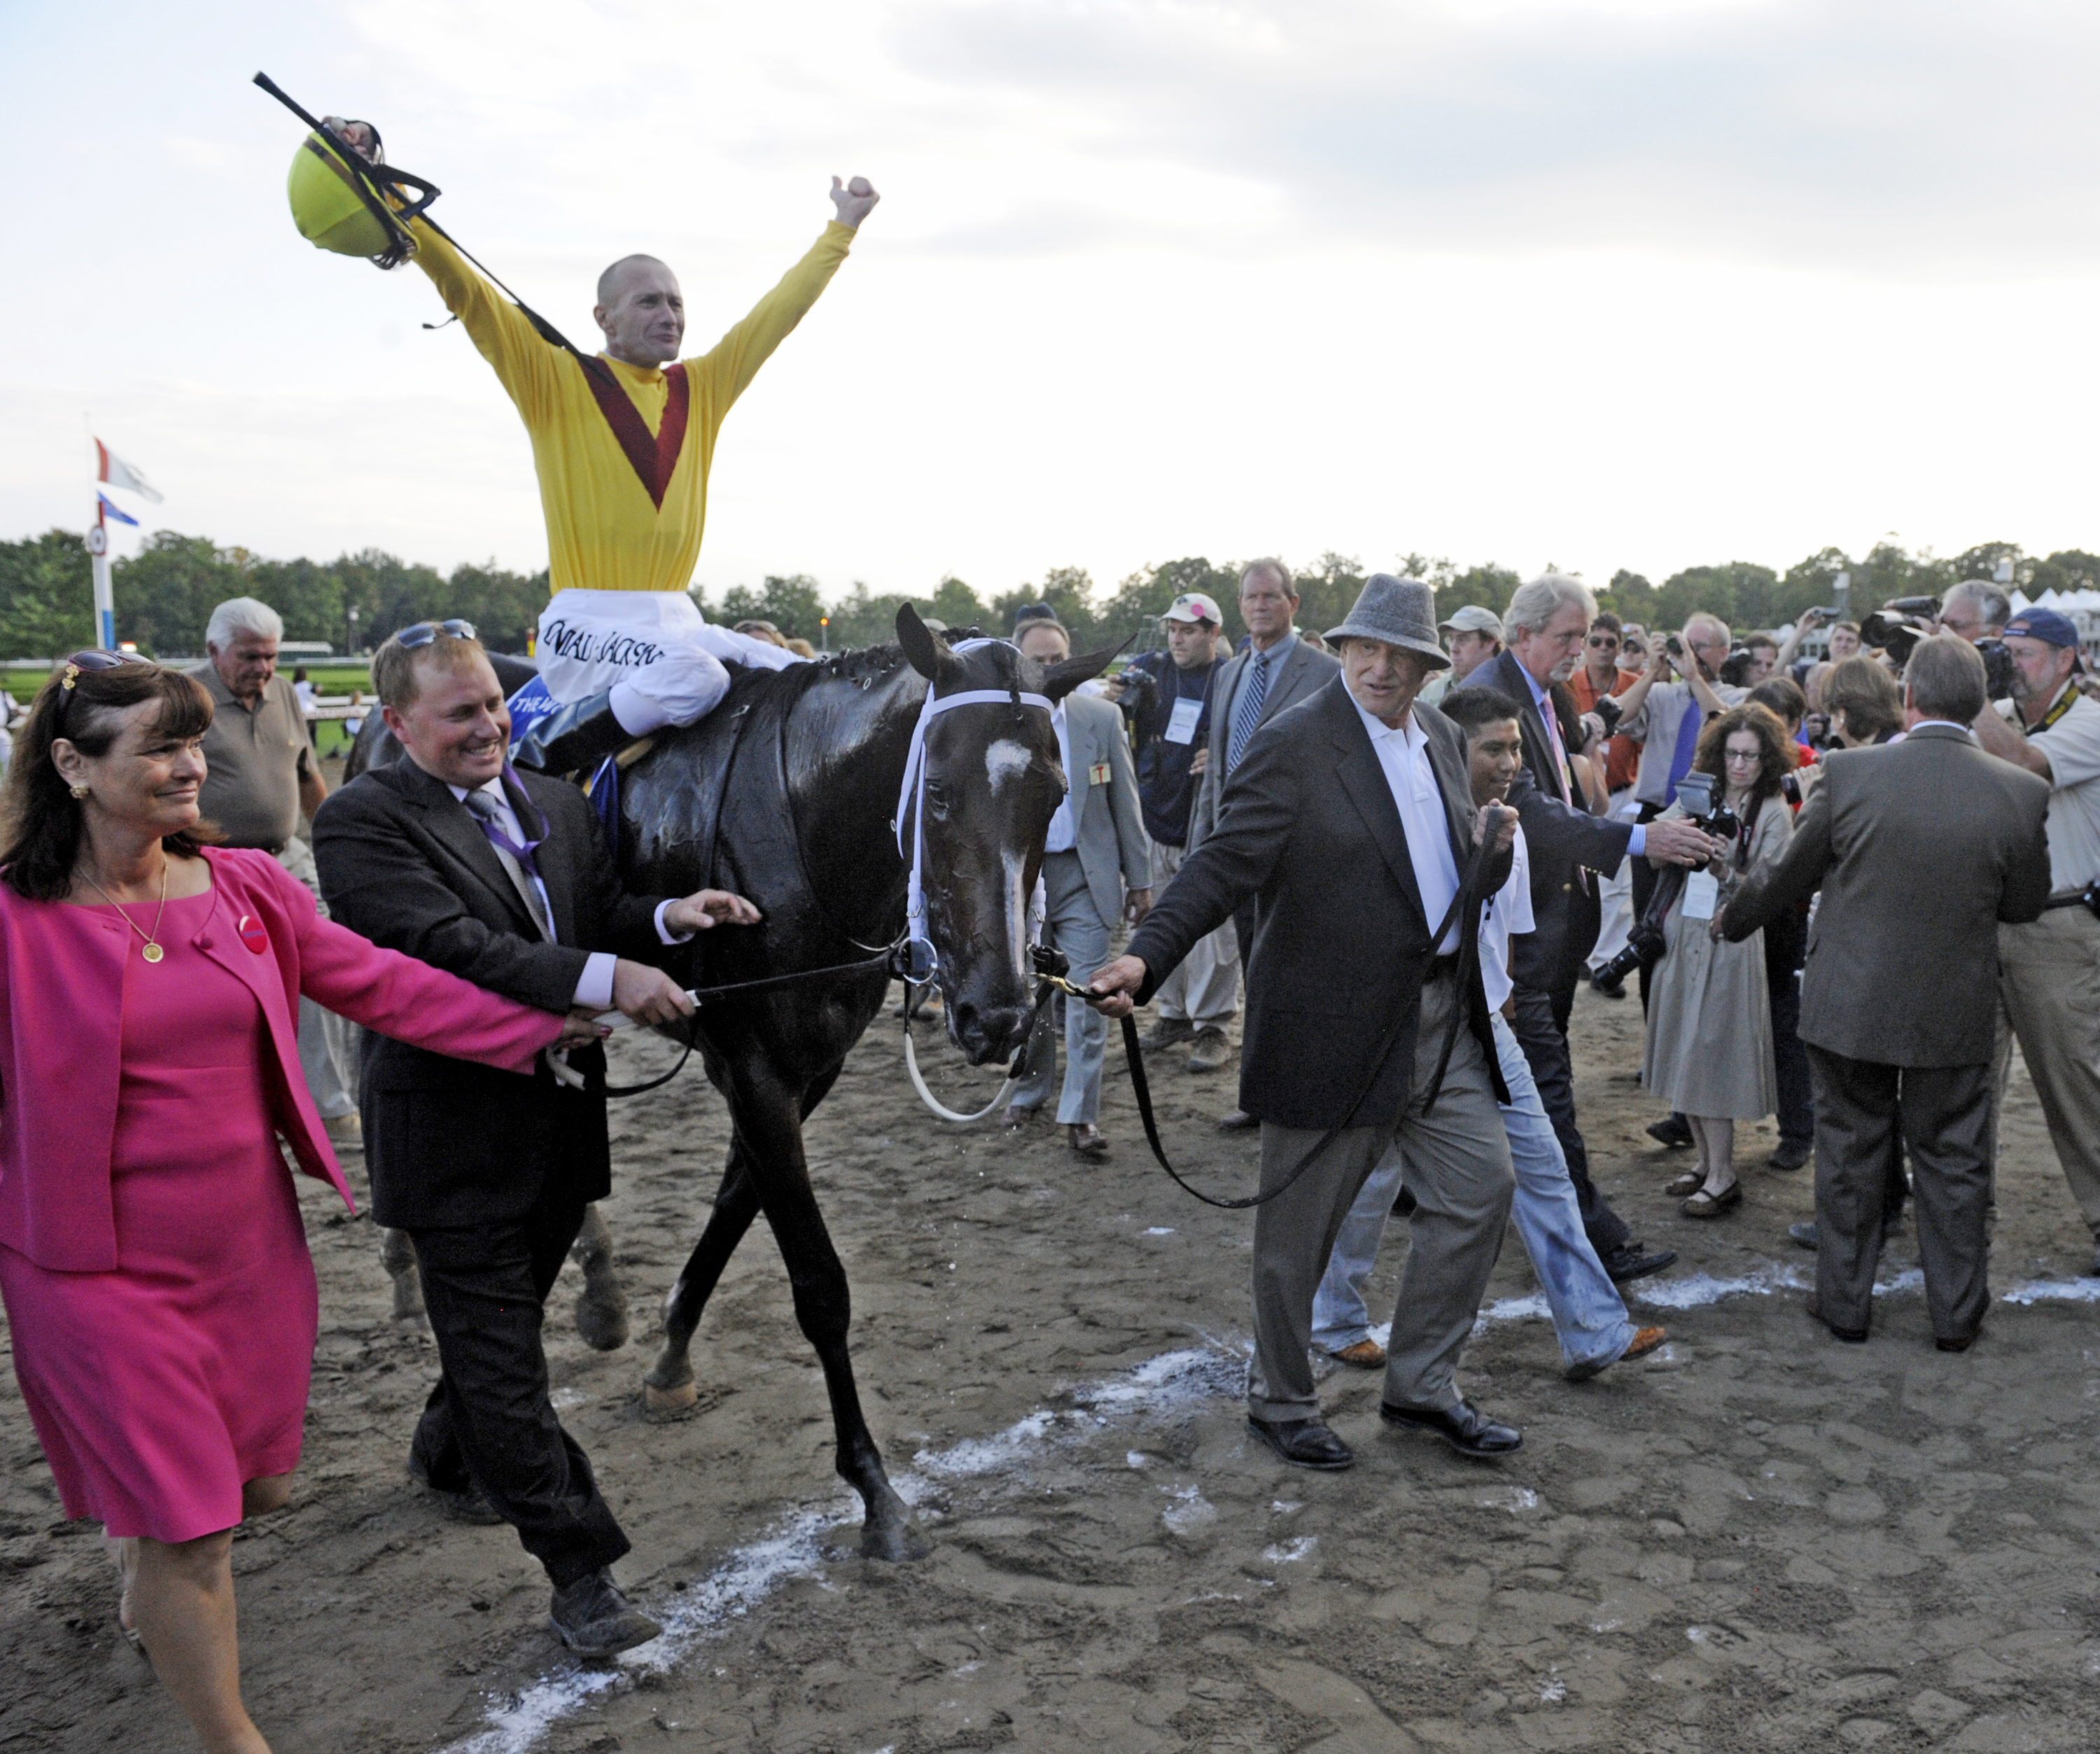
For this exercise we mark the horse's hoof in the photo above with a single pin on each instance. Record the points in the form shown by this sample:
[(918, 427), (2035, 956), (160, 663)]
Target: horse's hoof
[(602, 1322), (895, 1542), (672, 1400)]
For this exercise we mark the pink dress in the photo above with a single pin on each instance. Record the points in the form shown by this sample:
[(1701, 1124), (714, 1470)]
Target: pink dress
[(159, 1388)]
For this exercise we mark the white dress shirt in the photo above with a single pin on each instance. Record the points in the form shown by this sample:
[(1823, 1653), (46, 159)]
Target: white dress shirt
[(594, 985), (1404, 754), (1064, 825)]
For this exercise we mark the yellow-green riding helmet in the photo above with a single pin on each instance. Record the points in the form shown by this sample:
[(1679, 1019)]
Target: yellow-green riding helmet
[(342, 204)]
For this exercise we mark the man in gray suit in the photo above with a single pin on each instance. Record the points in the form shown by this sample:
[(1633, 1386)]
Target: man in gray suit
[(1922, 849), (1276, 671), (1096, 847)]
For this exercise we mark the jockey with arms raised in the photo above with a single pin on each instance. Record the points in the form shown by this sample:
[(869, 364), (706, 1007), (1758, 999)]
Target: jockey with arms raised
[(622, 443)]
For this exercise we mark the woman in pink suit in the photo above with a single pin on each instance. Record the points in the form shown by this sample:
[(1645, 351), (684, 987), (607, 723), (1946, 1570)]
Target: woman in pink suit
[(153, 1264)]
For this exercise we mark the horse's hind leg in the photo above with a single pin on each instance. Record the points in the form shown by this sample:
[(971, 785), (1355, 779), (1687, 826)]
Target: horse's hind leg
[(601, 1305), (397, 1254), (669, 1384)]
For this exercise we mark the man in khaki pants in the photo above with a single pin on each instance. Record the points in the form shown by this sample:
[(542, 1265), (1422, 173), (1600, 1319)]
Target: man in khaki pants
[(2050, 971)]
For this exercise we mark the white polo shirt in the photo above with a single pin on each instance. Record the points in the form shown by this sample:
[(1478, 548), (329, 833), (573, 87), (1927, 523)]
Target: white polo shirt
[(2072, 745)]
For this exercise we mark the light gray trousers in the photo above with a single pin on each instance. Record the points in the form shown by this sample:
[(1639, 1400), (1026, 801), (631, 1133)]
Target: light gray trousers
[(1072, 923), (328, 1043), (1457, 1160)]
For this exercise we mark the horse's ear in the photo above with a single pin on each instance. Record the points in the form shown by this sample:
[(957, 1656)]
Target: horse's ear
[(1061, 680), (926, 654)]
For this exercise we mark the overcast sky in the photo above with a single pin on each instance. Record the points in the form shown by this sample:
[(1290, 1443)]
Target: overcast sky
[(1606, 283)]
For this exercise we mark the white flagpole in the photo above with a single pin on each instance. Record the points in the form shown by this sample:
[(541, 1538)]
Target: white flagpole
[(105, 598)]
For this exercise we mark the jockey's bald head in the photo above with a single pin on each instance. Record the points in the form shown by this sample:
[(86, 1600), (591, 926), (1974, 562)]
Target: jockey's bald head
[(641, 310)]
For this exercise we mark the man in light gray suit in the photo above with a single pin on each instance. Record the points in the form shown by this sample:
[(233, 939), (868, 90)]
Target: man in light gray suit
[(1097, 846), (1921, 848), (1277, 670)]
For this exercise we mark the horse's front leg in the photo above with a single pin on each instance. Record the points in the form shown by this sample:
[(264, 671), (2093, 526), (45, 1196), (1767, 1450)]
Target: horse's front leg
[(769, 1119), (669, 1386)]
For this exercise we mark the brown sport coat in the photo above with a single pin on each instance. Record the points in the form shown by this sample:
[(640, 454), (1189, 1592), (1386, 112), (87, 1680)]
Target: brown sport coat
[(1921, 848)]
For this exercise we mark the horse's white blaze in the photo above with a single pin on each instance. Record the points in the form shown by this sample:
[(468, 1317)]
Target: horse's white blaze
[(1016, 908), (1004, 760)]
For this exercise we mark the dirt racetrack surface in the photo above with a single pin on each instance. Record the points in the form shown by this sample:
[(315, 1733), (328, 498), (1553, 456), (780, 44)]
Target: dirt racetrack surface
[(1758, 1538)]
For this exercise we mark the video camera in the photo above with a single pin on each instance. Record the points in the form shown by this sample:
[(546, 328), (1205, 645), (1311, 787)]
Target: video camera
[(1647, 943), (1893, 628)]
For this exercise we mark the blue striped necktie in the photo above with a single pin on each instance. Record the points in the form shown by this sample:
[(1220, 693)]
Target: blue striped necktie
[(1247, 713)]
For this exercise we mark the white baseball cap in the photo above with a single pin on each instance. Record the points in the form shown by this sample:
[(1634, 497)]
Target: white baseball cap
[(1195, 606)]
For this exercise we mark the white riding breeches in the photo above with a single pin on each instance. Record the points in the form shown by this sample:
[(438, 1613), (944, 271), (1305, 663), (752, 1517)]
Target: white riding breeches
[(658, 657)]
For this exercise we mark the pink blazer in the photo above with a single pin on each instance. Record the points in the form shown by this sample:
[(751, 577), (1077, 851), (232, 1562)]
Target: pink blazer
[(61, 1006)]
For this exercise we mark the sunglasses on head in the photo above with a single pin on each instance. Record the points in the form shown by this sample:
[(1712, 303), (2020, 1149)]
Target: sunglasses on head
[(93, 661), (425, 633)]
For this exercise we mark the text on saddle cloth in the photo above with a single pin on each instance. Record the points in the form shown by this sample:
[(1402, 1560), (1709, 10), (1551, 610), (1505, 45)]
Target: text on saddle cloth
[(911, 798)]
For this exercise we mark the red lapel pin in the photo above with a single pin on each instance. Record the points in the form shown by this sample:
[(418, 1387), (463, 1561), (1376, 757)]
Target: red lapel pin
[(252, 935)]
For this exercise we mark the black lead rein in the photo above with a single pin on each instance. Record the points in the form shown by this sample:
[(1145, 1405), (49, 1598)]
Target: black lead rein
[(700, 995), (1141, 1086)]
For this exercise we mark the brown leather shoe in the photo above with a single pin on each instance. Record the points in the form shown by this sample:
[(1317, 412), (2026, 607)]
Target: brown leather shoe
[(1211, 1051), (1365, 1354), (1645, 1341), (1087, 1141)]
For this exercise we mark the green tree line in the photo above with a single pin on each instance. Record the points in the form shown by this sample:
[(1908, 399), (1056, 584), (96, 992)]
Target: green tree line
[(165, 594)]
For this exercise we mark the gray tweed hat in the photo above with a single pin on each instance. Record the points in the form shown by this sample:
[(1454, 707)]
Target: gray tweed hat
[(1400, 612)]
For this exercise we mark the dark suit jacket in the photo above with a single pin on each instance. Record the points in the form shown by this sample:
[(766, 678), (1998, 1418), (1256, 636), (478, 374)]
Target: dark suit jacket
[(1304, 673), (449, 1143), (1309, 825), (1921, 848), (1560, 839)]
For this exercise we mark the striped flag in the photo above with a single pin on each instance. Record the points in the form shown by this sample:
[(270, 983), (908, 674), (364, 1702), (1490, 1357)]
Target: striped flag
[(118, 473), (111, 509)]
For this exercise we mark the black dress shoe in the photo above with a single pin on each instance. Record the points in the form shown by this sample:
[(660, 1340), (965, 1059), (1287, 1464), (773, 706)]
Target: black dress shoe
[(1611, 986), (1673, 1130), (1962, 1345), (1631, 1261), (1791, 1155), (595, 1619), (1303, 1443), (1239, 1121), (1464, 1427), (1852, 1337)]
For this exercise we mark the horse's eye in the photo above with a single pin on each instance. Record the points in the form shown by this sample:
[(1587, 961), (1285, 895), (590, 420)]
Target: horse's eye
[(937, 800)]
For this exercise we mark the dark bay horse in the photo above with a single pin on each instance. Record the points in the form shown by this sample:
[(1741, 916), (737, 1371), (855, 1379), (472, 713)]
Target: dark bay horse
[(785, 794)]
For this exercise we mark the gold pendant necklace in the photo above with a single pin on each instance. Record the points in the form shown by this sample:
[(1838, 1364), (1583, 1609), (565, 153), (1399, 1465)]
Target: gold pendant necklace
[(152, 953)]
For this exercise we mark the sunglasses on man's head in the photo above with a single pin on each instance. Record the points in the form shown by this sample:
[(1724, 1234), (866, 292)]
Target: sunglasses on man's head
[(425, 633)]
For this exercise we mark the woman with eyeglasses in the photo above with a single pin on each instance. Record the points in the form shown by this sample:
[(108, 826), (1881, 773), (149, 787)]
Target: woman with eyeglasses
[(1710, 1042), (159, 1294)]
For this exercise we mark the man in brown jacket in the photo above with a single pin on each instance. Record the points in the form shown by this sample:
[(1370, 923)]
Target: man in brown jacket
[(1921, 848)]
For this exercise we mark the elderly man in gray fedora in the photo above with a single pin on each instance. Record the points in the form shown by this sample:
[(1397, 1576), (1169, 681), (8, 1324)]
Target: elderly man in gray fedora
[(1350, 822)]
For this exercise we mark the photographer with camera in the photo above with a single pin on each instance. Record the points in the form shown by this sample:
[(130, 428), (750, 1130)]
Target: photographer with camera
[(1663, 713), (1167, 696), (2050, 969), (1709, 1046)]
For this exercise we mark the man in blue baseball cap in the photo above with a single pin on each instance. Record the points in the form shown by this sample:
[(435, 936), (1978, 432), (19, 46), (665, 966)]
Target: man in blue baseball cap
[(2048, 970)]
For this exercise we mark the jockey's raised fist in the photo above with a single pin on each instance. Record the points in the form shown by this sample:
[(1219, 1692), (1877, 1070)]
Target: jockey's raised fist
[(855, 201)]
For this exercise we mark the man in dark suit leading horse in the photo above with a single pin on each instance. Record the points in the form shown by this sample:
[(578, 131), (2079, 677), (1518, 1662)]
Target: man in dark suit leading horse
[(456, 858), (1350, 818)]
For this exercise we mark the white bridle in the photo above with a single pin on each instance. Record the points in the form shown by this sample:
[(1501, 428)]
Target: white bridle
[(912, 797)]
